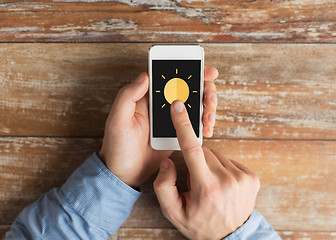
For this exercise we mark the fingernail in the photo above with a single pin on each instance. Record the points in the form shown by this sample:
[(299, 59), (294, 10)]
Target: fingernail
[(178, 106), (164, 166), (212, 118), (214, 98), (140, 78)]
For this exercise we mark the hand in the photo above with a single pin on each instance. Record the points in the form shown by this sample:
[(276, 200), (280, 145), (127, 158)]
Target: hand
[(222, 192), (126, 149)]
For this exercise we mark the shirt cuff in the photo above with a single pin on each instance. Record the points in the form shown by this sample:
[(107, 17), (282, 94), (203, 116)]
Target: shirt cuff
[(256, 227), (99, 196)]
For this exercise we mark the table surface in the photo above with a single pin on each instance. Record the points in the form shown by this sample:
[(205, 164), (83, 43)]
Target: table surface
[(62, 63)]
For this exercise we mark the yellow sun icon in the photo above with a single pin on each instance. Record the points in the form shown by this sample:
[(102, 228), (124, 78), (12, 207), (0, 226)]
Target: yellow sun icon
[(176, 89)]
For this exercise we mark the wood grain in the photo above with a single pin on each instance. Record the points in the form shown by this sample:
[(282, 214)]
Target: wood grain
[(276, 112), (167, 234), (3, 230), (289, 235), (152, 234), (297, 178), (281, 91), (168, 21), (32, 166)]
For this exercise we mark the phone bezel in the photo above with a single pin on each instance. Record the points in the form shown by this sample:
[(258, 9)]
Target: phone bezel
[(174, 52)]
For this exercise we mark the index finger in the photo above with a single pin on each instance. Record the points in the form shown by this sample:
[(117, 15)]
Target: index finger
[(189, 144)]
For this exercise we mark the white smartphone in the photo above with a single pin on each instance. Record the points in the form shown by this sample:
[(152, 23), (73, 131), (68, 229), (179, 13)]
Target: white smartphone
[(175, 72)]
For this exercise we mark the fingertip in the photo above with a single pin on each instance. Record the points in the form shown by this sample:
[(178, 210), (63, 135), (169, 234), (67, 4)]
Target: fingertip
[(177, 106), (210, 98), (207, 131), (165, 164), (212, 119), (213, 98), (211, 73), (209, 116), (216, 72), (140, 87), (166, 176)]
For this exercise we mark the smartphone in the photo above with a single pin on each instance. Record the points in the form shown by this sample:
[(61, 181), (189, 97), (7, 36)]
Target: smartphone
[(175, 72)]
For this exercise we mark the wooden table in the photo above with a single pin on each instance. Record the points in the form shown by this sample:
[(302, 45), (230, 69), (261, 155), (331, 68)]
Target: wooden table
[(62, 63)]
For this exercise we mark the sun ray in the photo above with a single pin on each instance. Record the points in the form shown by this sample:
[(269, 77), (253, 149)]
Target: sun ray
[(157, 91), (176, 70), (189, 76), (163, 77), (163, 105), (189, 105), (194, 91)]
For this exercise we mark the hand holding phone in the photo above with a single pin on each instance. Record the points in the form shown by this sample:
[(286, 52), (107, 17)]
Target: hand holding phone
[(127, 130)]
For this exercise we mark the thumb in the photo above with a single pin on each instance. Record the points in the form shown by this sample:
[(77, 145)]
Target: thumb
[(124, 105), (166, 191)]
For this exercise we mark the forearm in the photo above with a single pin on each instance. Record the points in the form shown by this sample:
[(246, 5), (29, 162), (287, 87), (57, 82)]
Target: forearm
[(256, 227), (92, 204)]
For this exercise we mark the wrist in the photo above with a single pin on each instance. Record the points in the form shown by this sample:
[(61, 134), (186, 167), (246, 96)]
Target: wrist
[(250, 222), (126, 180), (101, 156)]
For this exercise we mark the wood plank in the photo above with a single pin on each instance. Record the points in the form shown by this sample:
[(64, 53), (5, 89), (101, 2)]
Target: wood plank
[(168, 21), (275, 91), (165, 234), (289, 235), (58, 91), (297, 178), (264, 91)]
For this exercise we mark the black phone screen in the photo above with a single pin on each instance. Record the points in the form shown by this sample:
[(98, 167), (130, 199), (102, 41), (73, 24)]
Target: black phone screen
[(171, 80)]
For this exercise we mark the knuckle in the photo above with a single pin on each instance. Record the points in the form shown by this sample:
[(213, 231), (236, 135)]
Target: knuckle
[(194, 150), (255, 180), (125, 90), (184, 123), (158, 185), (241, 176), (122, 90), (211, 191), (232, 183), (155, 184)]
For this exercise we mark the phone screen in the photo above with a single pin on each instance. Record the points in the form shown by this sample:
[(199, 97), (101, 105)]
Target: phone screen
[(171, 80)]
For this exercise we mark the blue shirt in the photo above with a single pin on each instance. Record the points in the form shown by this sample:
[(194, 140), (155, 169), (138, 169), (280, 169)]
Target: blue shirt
[(93, 204)]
